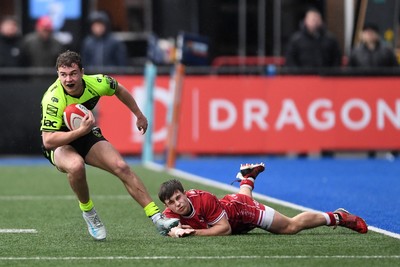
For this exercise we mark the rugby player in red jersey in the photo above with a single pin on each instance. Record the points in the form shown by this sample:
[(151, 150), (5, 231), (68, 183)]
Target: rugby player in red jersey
[(203, 214)]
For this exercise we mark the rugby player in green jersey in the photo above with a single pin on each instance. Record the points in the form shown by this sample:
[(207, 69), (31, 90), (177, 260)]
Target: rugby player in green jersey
[(70, 151)]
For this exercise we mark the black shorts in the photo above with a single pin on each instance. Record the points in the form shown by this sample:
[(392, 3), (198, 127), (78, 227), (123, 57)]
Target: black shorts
[(82, 145)]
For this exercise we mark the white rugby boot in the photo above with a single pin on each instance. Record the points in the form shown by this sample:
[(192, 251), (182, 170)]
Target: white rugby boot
[(95, 226)]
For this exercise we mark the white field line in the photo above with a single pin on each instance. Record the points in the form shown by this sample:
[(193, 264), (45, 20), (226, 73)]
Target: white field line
[(209, 182), (18, 231), (290, 257), (41, 198), (62, 197)]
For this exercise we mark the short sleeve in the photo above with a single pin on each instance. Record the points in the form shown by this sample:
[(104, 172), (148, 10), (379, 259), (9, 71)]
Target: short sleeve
[(52, 112)]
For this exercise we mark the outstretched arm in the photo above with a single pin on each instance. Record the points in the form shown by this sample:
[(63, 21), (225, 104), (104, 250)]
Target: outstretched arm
[(222, 227), (125, 97)]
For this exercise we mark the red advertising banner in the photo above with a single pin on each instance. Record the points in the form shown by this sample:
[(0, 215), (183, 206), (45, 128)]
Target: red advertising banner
[(252, 114)]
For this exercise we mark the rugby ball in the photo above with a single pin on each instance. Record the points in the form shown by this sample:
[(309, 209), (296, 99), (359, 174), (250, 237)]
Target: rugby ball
[(73, 115)]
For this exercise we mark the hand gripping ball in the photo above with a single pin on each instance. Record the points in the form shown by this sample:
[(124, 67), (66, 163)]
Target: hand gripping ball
[(73, 115)]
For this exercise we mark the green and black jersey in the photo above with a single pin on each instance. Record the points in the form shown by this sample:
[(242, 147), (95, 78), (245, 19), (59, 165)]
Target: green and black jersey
[(55, 100)]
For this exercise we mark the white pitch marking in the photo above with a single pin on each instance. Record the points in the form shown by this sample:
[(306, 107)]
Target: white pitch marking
[(63, 197), (18, 231), (43, 258)]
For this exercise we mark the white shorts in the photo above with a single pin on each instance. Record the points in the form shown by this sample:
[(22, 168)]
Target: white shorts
[(266, 217)]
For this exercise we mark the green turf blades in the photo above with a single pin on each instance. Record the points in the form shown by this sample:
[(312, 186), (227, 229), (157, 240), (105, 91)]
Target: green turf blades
[(39, 197)]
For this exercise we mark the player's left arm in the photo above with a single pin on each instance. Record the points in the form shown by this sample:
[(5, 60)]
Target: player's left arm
[(125, 97), (180, 232), (222, 227), (214, 215)]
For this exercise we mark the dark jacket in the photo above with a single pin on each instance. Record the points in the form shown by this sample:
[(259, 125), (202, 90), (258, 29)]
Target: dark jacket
[(381, 56), (306, 50), (10, 51), (105, 50), (36, 52)]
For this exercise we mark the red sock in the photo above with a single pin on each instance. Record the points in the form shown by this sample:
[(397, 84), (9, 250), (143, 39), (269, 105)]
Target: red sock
[(332, 218), (248, 182)]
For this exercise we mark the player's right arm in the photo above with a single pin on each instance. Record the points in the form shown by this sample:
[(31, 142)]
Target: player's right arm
[(52, 123), (52, 140)]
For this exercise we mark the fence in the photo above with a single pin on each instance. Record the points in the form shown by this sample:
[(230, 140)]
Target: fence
[(238, 111)]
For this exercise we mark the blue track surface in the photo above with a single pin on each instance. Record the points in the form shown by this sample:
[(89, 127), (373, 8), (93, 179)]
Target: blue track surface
[(367, 187)]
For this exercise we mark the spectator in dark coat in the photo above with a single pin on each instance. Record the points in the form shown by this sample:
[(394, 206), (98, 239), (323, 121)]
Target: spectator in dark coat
[(100, 48), (371, 51), (313, 45), (10, 42), (40, 48)]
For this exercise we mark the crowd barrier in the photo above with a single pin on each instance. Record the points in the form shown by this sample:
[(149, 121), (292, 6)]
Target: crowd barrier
[(229, 114), (20, 114), (258, 114)]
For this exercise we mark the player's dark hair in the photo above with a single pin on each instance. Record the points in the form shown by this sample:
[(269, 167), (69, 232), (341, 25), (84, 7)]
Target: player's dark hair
[(168, 188), (68, 58)]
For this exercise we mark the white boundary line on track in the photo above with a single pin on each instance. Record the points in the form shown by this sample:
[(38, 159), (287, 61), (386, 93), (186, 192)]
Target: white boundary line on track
[(205, 181), (18, 231), (200, 257)]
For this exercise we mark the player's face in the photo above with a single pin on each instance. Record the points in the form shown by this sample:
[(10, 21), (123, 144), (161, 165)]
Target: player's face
[(71, 79), (178, 203)]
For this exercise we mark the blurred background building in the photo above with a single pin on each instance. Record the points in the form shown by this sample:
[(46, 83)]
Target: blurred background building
[(234, 27)]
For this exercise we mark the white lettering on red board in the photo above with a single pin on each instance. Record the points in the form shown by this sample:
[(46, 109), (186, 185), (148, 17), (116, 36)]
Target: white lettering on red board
[(223, 114)]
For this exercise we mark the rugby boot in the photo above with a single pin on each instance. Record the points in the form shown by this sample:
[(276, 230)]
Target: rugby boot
[(250, 170), (95, 226), (351, 221), (164, 225)]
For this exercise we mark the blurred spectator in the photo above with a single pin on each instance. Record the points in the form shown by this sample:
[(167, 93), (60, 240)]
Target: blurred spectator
[(10, 41), (100, 48), (40, 48), (371, 51), (313, 45)]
